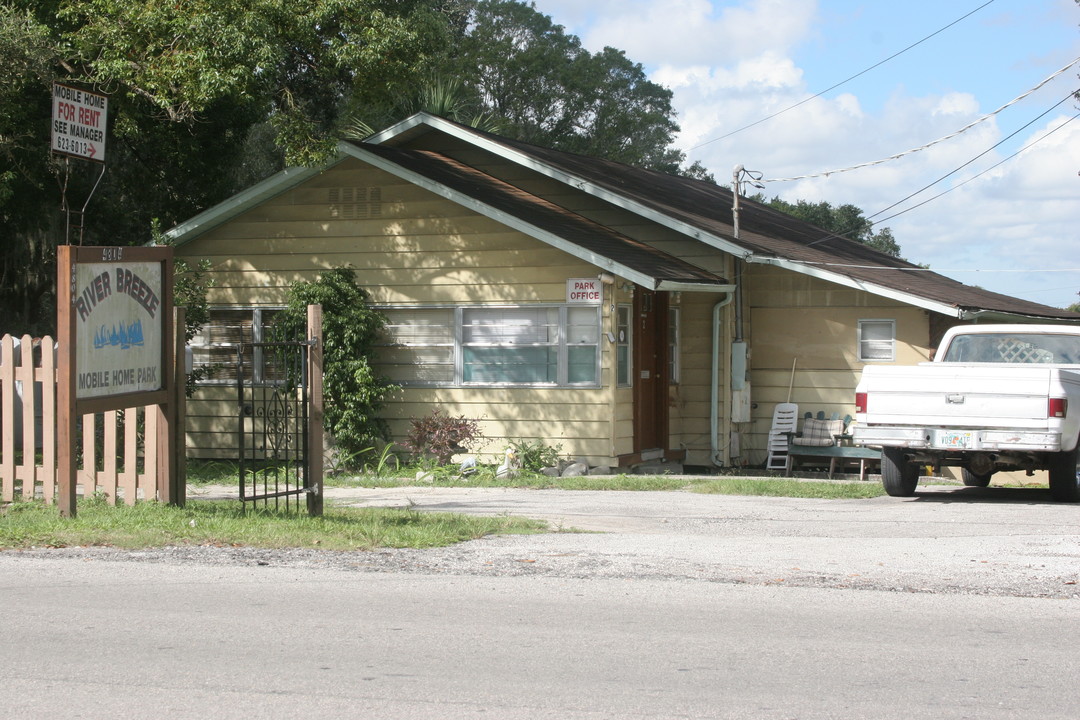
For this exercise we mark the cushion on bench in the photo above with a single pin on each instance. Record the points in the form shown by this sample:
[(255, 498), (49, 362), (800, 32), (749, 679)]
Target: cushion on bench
[(819, 433)]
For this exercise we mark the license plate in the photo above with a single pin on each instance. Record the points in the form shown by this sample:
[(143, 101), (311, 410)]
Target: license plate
[(954, 439)]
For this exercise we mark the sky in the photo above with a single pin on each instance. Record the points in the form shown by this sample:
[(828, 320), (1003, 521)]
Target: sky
[(1011, 225)]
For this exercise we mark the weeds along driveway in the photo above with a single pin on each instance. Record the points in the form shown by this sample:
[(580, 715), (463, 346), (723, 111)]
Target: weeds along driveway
[(987, 541)]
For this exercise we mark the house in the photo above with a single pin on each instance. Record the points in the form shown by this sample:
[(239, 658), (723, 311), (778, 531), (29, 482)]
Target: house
[(622, 314)]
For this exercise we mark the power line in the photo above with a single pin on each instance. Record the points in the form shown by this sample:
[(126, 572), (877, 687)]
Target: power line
[(844, 234), (977, 175), (931, 144), (984, 152), (842, 82)]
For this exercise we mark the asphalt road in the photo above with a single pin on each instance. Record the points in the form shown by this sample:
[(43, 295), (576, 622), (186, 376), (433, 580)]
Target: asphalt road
[(956, 603)]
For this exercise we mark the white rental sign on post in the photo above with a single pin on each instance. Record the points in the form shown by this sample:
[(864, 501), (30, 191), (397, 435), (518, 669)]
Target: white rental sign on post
[(78, 123)]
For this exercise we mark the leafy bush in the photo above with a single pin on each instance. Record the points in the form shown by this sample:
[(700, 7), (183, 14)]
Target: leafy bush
[(354, 394), (536, 455), (442, 436)]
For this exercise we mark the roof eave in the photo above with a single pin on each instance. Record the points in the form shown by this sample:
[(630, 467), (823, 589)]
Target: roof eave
[(678, 286), (873, 288), (243, 201), (998, 316)]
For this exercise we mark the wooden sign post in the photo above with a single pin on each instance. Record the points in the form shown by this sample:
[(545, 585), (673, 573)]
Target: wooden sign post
[(116, 350)]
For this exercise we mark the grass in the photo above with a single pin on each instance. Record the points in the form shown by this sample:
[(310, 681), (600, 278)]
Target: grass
[(226, 473), (714, 485), (149, 524), (225, 523), (786, 487)]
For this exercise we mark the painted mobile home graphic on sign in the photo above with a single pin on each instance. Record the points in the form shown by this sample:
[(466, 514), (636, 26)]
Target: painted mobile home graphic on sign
[(118, 305)]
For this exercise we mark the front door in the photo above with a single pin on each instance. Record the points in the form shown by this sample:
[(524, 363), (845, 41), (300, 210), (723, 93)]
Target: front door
[(650, 370)]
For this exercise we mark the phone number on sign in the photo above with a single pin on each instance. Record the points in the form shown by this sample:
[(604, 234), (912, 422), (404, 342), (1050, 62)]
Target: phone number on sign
[(75, 147)]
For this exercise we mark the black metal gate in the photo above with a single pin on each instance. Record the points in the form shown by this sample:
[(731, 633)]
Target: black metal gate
[(274, 406)]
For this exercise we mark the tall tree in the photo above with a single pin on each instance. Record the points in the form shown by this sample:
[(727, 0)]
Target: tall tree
[(548, 90), (209, 96), (205, 98), (27, 185)]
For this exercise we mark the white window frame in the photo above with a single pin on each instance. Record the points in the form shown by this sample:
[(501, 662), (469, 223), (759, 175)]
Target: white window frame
[(562, 344), (862, 342)]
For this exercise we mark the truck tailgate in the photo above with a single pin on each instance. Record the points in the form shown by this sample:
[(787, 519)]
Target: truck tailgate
[(990, 396)]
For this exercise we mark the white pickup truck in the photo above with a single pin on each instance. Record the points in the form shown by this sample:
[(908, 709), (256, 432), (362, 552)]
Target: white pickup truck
[(996, 397)]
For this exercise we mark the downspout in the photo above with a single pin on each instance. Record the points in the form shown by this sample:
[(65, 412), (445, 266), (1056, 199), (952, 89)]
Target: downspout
[(716, 452)]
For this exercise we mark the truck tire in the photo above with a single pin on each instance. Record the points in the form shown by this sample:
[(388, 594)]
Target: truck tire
[(899, 476), (1064, 476), (974, 479)]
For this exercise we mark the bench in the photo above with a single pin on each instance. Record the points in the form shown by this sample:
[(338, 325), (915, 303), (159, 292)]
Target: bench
[(836, 454), (828, 439)]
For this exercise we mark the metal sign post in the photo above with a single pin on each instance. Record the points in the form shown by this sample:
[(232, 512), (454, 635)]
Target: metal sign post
[(79, 124)]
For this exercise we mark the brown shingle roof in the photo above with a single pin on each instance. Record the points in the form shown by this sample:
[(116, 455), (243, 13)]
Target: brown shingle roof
[(768, 233), (545, 215)]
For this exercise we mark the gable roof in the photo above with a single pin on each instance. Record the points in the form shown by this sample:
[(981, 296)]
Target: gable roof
[(703, 211), (696, 209), (588, 240)]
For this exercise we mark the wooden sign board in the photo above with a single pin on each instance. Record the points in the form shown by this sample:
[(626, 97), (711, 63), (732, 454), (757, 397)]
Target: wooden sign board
[(116, 340)]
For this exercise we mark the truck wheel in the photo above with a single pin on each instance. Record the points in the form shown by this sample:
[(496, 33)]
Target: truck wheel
[(1064, 476), (975, 479), (899, 476)]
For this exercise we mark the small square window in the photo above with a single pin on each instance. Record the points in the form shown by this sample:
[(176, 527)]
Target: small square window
[(877, 340)]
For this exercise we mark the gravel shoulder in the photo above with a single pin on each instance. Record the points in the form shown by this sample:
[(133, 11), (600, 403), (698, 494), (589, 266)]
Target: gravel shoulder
[(995, 541)]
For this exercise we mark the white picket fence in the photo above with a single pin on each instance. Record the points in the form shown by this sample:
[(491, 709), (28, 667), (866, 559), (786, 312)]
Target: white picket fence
[(114, 459)]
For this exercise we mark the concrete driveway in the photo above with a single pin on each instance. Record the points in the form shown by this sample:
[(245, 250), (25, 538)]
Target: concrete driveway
[(995, 541)]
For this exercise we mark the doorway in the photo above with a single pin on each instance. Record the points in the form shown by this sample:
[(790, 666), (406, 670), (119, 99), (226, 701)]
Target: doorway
[(650, 313)]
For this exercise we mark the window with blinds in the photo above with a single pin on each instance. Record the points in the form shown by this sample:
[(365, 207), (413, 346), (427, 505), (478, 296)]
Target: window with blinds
[(217, 345), (541, 345), (418, 347)]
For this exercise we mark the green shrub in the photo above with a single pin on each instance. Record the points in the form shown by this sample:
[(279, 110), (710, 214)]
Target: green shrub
[(354, 394), (536, 455)]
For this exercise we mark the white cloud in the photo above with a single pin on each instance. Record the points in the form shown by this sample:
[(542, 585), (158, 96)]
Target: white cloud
[(686, 32), (730, 64)]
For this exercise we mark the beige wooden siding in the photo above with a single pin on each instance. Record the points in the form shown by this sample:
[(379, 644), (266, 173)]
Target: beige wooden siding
[(212, 423), (570, 418), (408, 247), (690, 399), (812, 323)]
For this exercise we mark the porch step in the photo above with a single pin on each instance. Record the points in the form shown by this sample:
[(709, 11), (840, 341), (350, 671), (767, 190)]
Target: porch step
[(657, 467)]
